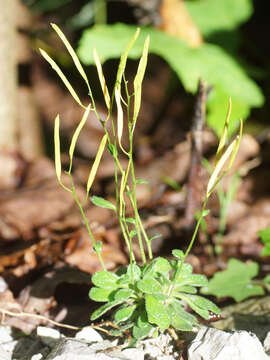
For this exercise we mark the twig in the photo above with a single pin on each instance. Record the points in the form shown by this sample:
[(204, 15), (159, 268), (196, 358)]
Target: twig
[(194, 191), (36, 316)]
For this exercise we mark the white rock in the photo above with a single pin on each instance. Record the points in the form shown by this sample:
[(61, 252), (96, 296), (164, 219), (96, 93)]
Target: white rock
[(5, 332), (88, 334), (266, 343), (48, 336), (3, 284), (71, 349), (213, 344), (133, 354), (37, 357), (4, 355)]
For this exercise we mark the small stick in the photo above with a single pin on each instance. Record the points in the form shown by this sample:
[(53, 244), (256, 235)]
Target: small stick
[(194, 190)]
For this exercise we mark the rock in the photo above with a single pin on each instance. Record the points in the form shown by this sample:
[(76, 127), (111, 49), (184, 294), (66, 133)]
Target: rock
[(4, 355), (71, 349), (5, 332), (88, 334), (48, 336), (213, 344), (266, 343)]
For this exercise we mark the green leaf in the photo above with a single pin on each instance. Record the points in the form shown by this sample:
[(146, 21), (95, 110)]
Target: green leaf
[(193, 280), (209, 62), (180, 319), (235, 281), (265, 237), (141, 332), (99, 294), (157, 312), (178, 254), (123, 294), (131, 221), (103, 309), (213, 16), (105, 279), (124, 314), (142, 181), (134, 271), (158, 265), (266, 282), (200, 305), (184, 288), (149, 286), (101, 202)]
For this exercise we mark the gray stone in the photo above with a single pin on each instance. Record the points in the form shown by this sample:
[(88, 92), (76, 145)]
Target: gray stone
[(213, 344), (88, 334)]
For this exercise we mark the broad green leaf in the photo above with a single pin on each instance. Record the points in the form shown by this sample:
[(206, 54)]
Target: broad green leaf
[(265, 237), (105, 279), (159, 264), (96, 163), (99, 294), (141, 332), (99, 201), (76, 134), (62, 76), (210, 62), (123, 294), (138, 81), (72, 53), (197, 306), (103, 309), (180, 319), (157, 312), (183, 288), (134, 271), (102, 80), (124, 313), (193, 280), (213, 16), (235, 281), (149, 286)]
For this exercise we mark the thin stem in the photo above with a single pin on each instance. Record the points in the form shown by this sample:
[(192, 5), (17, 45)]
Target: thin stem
[(196, 229), (86, 223)]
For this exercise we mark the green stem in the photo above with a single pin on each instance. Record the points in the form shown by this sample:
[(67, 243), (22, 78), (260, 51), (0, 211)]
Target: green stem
[(86, 223)]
